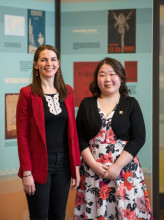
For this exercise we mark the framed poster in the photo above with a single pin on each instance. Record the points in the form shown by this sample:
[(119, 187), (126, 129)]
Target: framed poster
[(131, 71), (83, 75), (10, 115), (36, 29), (122, 31)]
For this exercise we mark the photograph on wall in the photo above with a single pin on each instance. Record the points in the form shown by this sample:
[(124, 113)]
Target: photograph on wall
[(13, 28), (10, 115), (131, 70), (36, 29), (14, 25), (83, 75), (122, 31)]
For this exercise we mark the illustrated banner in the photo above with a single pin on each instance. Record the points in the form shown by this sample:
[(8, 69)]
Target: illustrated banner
[(10, 115)]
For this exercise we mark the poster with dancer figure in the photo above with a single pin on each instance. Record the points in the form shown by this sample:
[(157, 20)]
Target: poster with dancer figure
[(36, 29), (122, 31)]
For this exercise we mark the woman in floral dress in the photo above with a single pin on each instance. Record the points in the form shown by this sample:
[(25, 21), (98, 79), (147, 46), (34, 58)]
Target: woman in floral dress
[(111, 131)]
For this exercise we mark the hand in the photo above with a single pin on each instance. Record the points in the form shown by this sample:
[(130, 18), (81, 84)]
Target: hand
[(29, 185), (99, 168), (75, 182), (112, 173)]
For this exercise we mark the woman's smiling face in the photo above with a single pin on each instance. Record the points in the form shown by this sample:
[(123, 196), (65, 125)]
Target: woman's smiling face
[(47, 64), (108, 80)]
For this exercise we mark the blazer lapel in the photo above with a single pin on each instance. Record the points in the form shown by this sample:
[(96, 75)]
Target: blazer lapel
[(38, 112)]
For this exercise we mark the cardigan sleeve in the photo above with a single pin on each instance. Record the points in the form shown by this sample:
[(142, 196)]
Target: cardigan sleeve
[(137, 130), (80, 123)]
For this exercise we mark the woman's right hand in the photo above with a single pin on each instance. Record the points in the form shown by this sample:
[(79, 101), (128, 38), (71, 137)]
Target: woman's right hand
[(99, 168), (29, 185)]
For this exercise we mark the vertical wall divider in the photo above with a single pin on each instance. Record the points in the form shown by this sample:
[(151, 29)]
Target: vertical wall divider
[(155, 130), (161, 194), (57, 23)]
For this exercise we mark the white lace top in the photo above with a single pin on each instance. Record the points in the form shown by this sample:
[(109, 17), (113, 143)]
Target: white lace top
[(53, 104)]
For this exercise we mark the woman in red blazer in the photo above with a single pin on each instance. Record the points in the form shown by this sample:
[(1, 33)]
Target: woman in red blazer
[(47, 138)]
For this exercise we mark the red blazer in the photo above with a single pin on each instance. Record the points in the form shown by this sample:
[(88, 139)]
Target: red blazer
[(31, 135)]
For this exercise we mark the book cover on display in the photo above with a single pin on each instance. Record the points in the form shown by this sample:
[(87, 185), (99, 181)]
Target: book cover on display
[(36, 29)]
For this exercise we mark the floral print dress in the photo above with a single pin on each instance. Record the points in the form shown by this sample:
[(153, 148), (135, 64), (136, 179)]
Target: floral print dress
[(102, 199)]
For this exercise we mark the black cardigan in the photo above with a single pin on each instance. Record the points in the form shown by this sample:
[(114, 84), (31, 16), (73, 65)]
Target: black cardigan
[(127, 123)]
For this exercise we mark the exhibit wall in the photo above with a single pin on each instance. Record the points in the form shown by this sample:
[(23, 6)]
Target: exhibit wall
[(89, 32), (24, 25)]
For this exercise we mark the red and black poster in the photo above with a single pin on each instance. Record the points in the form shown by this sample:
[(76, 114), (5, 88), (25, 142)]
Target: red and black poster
[(131, 71), (83, 75), (122, 31)]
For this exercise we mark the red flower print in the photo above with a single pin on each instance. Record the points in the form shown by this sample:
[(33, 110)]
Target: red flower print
[(85, 217), (77, 217), (110, 136), (101, 218), (100, 134), (102, 183), (104, 192), (122, 191), (106, 158), (130, 215), (82, 182), (140, 201), (145, 193), (79, 198), (147, 203), (128, 180)]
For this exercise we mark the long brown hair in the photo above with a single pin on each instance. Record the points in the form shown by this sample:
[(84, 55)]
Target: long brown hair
[(58, 79), (118, 68)]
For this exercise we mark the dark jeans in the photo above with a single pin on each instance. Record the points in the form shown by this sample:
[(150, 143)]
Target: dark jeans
[(50, 199)]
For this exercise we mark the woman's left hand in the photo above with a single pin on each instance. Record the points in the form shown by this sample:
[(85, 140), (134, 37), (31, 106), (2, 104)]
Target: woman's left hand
[(114, 170), (112, 173), (75, 182)]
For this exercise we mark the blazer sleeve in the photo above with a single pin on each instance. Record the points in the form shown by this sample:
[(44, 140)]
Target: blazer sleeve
[(23, 126), (81, 130), (77, 151), (137, 130)]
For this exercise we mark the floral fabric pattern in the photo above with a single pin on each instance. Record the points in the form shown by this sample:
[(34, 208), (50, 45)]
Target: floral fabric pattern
[(126, 197)]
